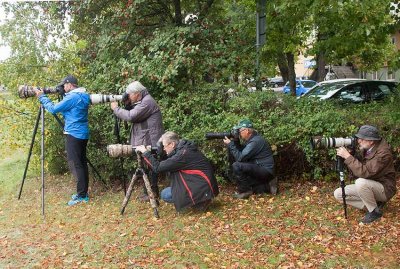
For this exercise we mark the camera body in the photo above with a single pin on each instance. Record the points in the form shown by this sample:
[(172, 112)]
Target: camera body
[(232, 134), (319, 142)]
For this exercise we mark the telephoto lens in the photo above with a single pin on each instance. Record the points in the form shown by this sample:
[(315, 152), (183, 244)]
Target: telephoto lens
[(104, 98), (25, 91), (119, 150), (318, 142)]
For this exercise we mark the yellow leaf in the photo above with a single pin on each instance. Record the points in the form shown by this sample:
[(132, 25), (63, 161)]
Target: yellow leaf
[(314, 189)]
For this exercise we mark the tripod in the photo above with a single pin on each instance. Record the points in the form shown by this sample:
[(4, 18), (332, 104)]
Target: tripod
[(140, 173), (340, 168), (40, 117)]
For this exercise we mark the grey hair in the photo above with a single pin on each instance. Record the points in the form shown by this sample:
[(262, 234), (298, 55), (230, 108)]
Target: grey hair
[(169, 137), (134, 87)]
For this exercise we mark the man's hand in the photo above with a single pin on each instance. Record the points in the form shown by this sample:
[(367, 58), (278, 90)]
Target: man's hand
[(343, 152), (114, 105), (142, 148), (38, 92), (226, 140)]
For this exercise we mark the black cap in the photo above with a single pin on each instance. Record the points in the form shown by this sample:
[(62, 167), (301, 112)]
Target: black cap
[(69, 79), (368, 132)]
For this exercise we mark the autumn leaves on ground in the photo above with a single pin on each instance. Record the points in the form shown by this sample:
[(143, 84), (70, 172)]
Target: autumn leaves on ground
[(302, 227)]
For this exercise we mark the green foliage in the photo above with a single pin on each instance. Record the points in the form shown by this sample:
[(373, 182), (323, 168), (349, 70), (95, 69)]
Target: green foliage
[(348, 31), (188, 69)]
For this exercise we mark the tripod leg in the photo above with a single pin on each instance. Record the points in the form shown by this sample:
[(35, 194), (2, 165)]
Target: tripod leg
[(340, 168), (42, 156), (95, 171), (30, 152), (153, 201), (129, 192)]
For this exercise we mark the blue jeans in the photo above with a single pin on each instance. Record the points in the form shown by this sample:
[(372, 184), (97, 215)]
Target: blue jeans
[(166, 195)]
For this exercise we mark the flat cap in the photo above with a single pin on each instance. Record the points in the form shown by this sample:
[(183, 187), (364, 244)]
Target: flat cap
[(368, 132)]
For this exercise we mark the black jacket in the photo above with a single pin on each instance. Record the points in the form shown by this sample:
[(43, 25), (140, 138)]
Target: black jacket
[(192, 177), (256, 150)]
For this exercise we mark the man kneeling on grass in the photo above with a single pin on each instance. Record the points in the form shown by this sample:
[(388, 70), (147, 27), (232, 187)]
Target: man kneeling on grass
[(193, 183)]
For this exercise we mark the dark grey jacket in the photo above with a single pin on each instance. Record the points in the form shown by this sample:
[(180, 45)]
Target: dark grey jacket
[(256, 150), (146, 118), (192, 176)]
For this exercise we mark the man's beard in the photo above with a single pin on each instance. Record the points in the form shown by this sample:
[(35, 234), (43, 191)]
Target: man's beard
[(364, 148)]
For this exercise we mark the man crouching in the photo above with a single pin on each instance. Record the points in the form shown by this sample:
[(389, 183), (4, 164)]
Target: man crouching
[(193, 183), (374, 169)]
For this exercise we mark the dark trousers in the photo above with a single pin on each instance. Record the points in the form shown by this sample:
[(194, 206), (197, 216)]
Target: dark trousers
[(76, 155), (251, 177)]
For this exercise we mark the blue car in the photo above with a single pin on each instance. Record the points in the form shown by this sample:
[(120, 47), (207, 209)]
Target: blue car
[(302, 86)]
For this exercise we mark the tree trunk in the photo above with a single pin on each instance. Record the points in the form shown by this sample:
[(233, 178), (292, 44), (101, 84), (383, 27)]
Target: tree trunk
[(178, 12), (321, 67), (283, 67), (291, 72)]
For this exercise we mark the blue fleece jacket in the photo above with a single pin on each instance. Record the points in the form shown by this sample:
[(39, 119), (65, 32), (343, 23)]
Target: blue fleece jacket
[(74, 108)]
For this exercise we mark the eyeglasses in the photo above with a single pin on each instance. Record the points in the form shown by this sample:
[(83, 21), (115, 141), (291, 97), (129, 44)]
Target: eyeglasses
[(241, 130)]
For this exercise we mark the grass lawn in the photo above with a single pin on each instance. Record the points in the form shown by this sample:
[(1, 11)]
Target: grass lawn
[(302, 227)]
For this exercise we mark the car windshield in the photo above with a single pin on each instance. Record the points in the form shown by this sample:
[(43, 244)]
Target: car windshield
[(327, 89), (308, 84)]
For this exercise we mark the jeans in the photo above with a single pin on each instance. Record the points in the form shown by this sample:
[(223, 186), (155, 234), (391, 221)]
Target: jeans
[(76, 155), (166, 195)]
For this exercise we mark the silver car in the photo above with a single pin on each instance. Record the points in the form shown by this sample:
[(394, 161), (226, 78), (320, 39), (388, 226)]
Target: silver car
[(352, 90)]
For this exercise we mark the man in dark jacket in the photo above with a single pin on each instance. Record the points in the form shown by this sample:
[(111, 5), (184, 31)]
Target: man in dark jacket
[(147, 126), (253, 168), (193, 183), (374, 169)]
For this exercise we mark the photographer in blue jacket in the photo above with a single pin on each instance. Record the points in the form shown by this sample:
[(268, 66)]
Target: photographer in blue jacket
[(74, 108)]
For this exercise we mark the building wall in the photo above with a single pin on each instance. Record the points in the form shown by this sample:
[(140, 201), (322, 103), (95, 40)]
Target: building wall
[(385, 73)]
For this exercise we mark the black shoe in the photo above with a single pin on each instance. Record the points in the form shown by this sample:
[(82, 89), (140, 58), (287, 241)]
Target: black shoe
[(260, 189), (372, 216), (381, 205), (273, 186), (243, 195)]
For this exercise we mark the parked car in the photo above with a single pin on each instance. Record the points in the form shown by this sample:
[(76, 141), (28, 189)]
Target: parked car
[(276, 82), (302, 86), (353, 90)]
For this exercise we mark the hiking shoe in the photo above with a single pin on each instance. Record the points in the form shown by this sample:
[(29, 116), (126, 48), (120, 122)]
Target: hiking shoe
[(74, 196), (372, 216), (242, 195), (78, 200)]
